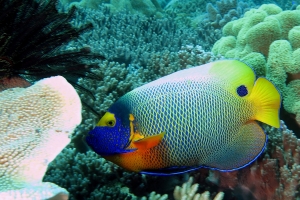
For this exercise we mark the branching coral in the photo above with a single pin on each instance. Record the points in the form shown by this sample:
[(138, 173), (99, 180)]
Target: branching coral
[(188, 192), (146, 7), (132, 39), (224, 12), (208, 24), (36, 124)]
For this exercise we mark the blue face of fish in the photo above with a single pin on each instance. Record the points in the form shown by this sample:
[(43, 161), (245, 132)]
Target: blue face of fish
[(109, 137)]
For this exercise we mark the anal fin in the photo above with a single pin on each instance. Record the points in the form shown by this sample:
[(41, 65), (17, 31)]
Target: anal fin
[(243, 149)]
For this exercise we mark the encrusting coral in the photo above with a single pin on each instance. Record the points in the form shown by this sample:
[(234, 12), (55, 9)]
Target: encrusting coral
[(36, 124)]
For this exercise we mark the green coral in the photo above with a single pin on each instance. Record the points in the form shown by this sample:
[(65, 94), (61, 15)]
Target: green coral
[(294, 37), (253, 33)]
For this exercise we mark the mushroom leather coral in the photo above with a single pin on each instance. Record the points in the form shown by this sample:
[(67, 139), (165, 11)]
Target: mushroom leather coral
[(35, 125)]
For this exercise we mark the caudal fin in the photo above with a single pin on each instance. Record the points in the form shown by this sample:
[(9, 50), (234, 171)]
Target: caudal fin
[(267, 101)]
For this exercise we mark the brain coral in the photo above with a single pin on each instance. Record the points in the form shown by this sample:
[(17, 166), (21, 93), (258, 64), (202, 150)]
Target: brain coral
[(268, 39), (36, 124)]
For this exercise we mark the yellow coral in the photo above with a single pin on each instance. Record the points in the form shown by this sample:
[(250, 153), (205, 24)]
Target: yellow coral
[(36, 124)]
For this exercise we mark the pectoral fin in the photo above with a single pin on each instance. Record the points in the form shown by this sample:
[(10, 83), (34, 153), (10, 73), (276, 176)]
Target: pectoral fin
[(148, 142)]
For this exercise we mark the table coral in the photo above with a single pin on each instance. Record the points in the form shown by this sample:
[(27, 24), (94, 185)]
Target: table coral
[(268, 39), (36, 124)]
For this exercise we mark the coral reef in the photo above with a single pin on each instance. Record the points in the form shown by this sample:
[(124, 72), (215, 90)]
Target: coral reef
[(224, 12), (267, 38), (36, 124), (285, 5), (129, 38), (144, 7), (188, 192), (185, 8), (192, 14), (210, 23)]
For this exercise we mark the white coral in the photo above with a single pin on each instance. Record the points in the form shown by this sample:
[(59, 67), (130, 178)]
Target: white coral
[(188, 192), (35, 125)]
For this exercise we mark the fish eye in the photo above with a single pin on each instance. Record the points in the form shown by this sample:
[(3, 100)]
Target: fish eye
[(242, 91), (110, 123)]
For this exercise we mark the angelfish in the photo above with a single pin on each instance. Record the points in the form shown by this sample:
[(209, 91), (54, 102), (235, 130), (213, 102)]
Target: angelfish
[(203, 116)]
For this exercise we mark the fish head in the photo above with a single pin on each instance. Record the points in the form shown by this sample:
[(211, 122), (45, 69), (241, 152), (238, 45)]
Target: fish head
[(110, 136)]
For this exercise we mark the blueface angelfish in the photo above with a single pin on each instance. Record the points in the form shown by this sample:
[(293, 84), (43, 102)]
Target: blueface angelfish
[(203, 116)]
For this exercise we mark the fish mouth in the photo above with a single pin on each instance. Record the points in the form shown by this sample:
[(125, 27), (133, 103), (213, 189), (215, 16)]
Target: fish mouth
[(95, 139)]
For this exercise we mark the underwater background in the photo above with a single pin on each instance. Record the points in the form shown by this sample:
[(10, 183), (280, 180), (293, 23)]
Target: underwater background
[(142, 40)]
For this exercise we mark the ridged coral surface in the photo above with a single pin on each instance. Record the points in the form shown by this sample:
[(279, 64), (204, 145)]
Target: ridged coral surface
[(36, 124)]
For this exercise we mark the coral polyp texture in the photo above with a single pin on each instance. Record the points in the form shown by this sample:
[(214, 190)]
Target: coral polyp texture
[(36, 124), (188, 192), (268, 39)]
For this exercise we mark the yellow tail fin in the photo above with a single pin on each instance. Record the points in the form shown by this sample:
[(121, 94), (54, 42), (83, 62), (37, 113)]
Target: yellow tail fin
[(267, 101)]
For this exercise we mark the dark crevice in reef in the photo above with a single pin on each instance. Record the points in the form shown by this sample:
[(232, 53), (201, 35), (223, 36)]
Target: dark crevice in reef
[(289, 120)]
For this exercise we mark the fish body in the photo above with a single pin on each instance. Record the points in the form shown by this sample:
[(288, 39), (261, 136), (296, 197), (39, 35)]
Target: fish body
[(198, 117)]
